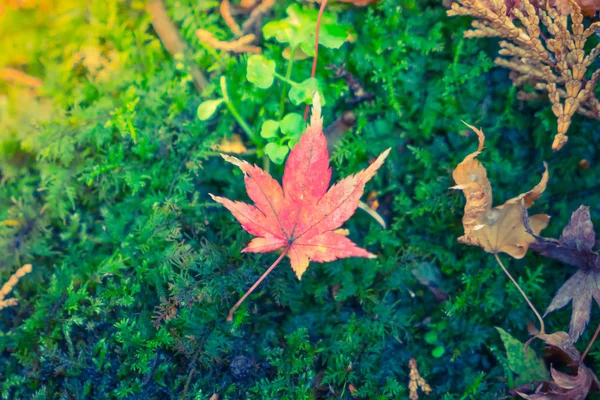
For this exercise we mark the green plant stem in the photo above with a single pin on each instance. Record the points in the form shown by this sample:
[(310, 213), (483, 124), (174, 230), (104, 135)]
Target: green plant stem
[(589, 346), (266, 164), (542, 328), (288, 74), (267, 272), (248, 152), (245, 127), (284, 79)]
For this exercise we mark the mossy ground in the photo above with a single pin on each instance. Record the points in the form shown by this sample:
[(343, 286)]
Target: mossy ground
[(105, 175)]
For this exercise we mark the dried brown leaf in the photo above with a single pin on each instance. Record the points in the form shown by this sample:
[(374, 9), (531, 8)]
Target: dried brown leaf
[(565, 386), (579, 233), (574, 247), (500, 229), (574, 384)]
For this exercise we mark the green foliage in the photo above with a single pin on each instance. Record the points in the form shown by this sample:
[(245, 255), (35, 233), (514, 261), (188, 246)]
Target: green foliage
[(260, 71), (523, 362), (285, 134), (208, 108), (298, 31), (105, 175)]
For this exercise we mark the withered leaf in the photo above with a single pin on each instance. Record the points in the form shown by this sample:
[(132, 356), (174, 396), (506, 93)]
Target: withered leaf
[(580, 288), (575, 247), (557, 341), (579, 233), (575, 384), (565, 386), (498, 229)]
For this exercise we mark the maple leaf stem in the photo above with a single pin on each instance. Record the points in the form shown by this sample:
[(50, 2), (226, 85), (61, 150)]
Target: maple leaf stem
[(589, 346), (542, 329), (267, 272), (314, 66)]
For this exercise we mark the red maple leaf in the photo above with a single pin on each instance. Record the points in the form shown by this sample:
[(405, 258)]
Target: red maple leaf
[(301, 216)]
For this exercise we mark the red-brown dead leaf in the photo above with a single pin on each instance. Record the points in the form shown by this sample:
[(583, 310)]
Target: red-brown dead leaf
[(575, 247), (302, 215), (573, 382), (498, 229)]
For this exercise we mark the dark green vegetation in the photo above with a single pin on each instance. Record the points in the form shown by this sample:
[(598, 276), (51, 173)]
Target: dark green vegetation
[(135, 268)]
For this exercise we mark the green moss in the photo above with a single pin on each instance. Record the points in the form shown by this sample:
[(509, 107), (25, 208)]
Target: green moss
[(134, 268)]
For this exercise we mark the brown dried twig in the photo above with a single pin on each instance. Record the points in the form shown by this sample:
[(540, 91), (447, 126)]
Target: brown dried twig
[(245, 39), (226, 14), (241, 45), (20, 77), (169, 36)]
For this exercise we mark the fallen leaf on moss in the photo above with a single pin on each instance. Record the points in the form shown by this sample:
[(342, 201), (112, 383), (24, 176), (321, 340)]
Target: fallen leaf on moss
[(560, 340), (565, 386), (301, 216), (526, 364), (499, 229), (575, 247), (574, 383)]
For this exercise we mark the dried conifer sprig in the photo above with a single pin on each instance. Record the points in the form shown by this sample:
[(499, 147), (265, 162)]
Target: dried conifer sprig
[(8, 286), (416, 381), (555, 63)]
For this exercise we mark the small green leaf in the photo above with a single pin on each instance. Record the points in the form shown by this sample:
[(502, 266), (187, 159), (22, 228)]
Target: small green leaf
[(269, 129), (526, 364), (438, 352), (431, 337), (298, 29), (293, 141), (207, 108), (282, 31), (304, 92), (260, 71), (276, 152), (292, 124), (331, 36)]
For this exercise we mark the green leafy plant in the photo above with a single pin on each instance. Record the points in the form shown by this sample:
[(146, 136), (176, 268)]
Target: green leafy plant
[(297, 31)]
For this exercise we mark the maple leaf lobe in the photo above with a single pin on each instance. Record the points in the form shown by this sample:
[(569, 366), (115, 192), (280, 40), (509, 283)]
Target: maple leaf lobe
[(579, 233), (301, 216)]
